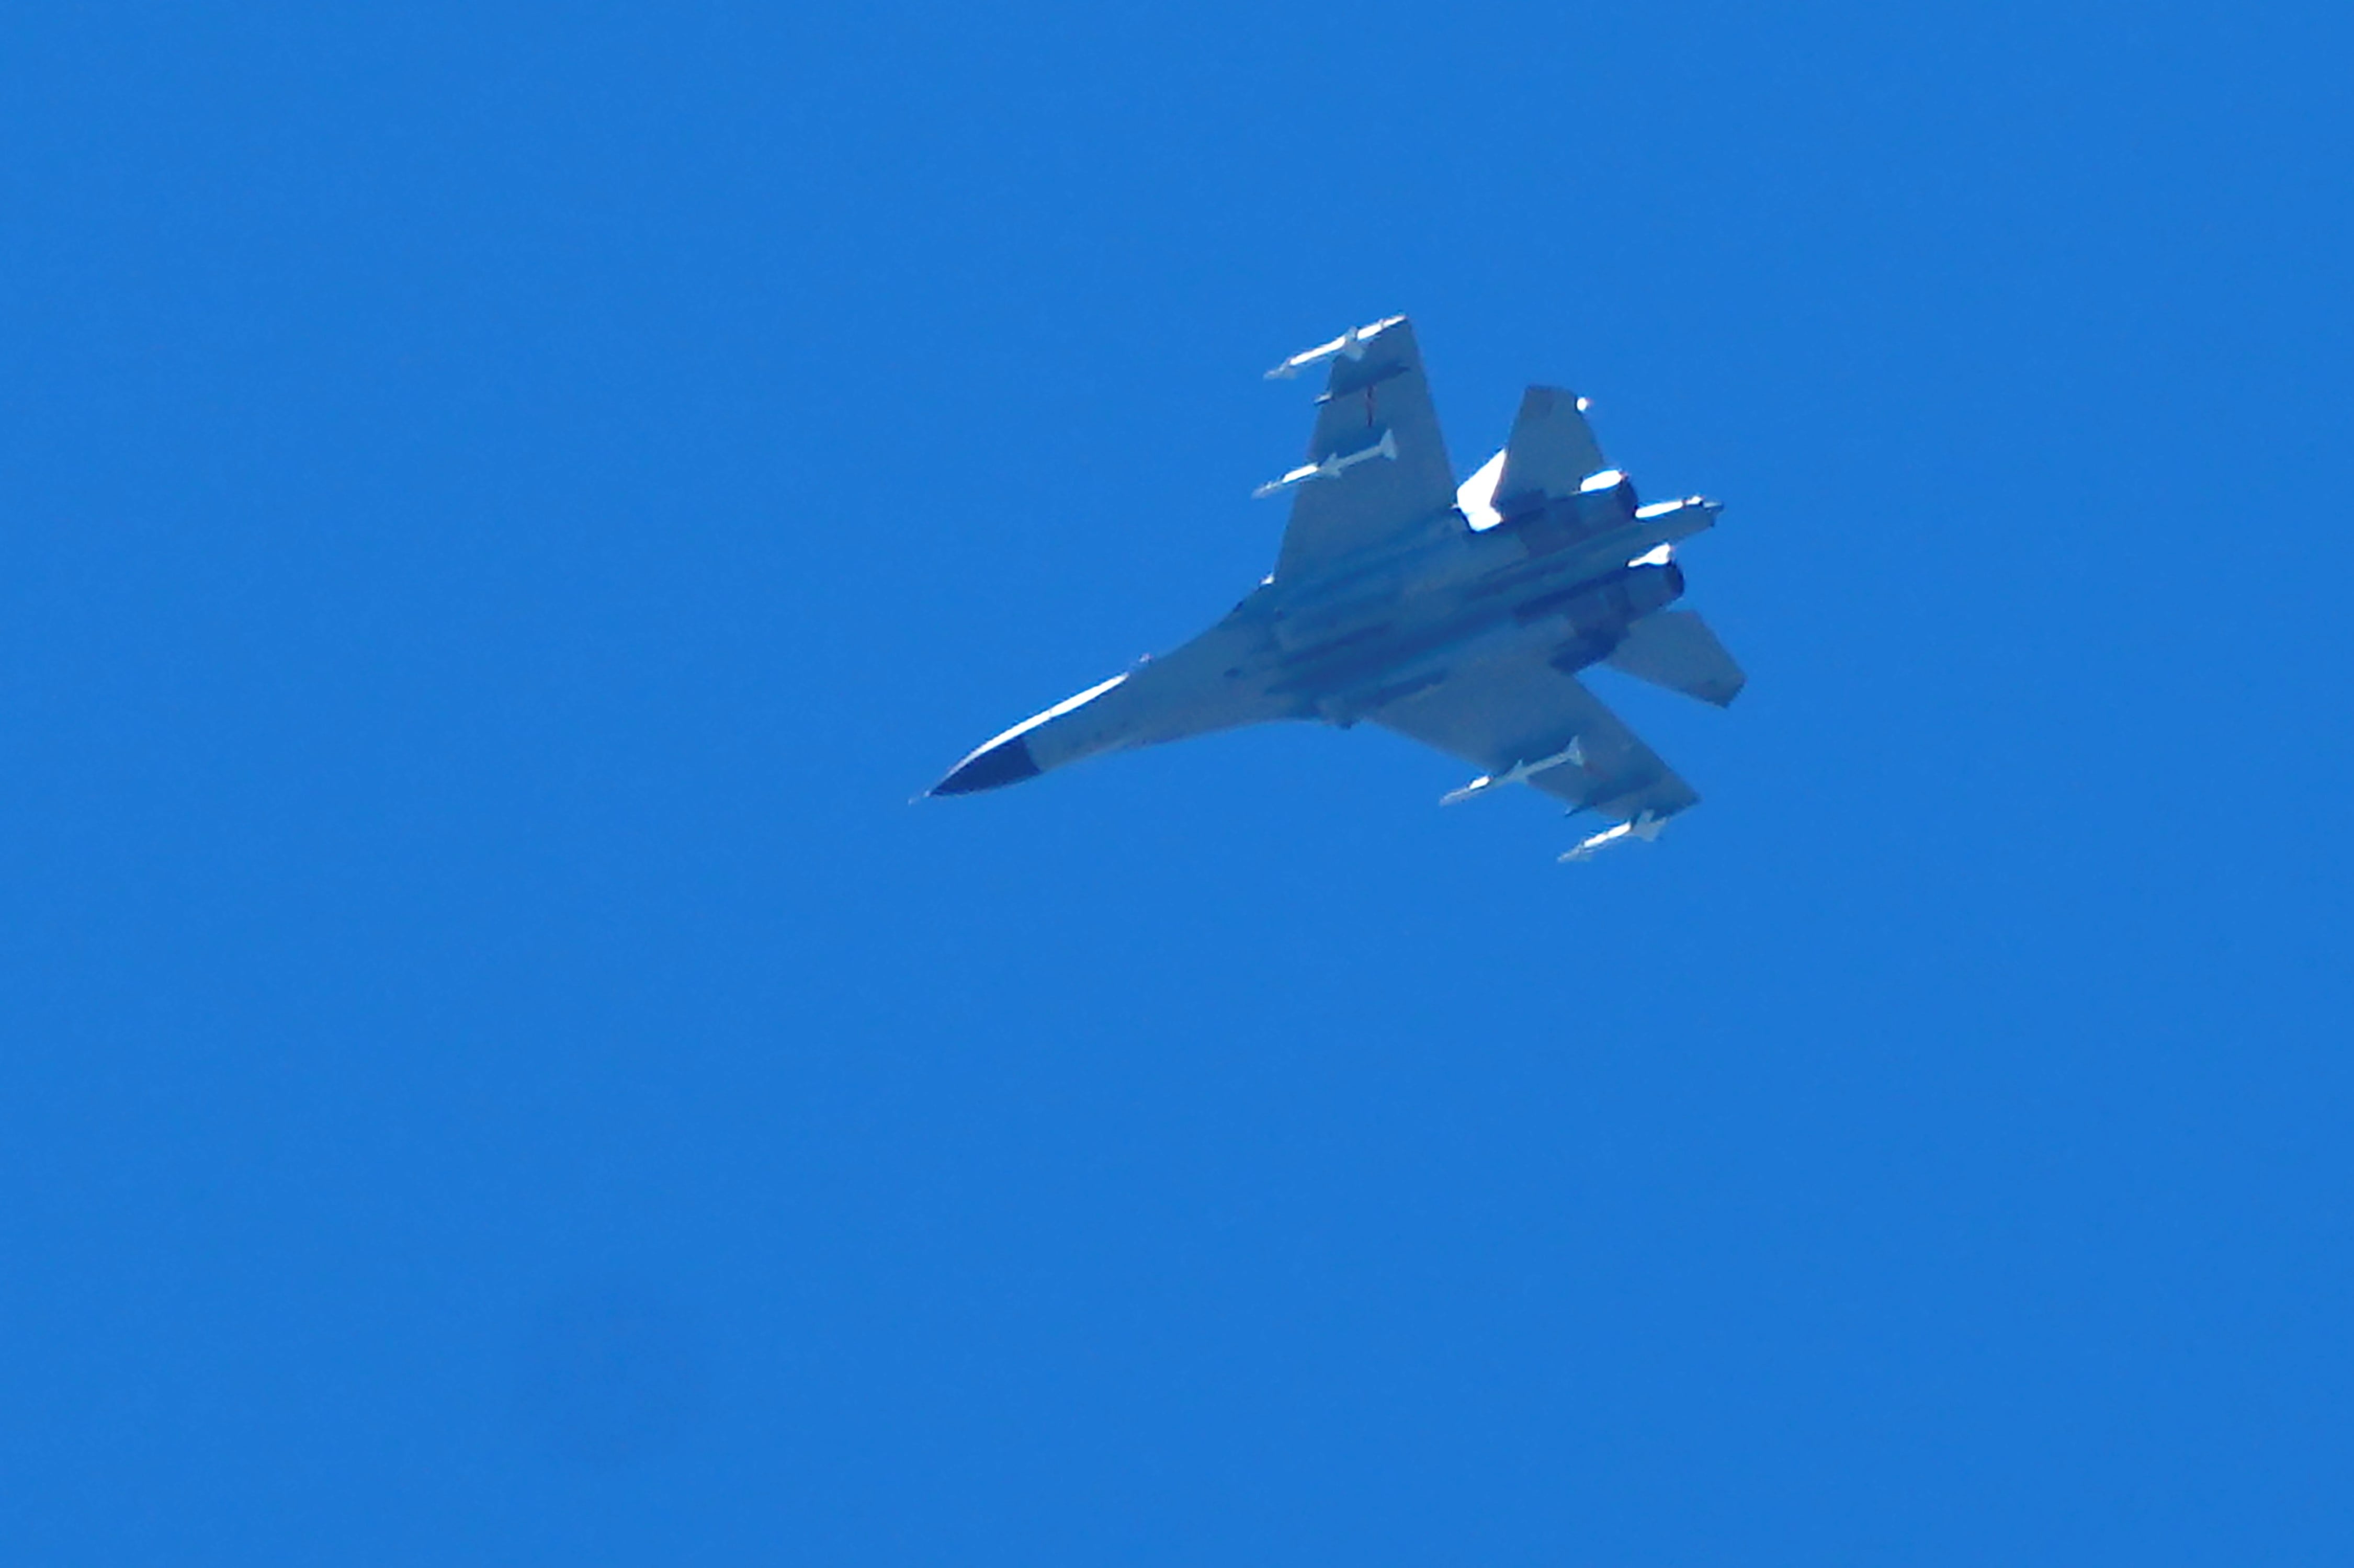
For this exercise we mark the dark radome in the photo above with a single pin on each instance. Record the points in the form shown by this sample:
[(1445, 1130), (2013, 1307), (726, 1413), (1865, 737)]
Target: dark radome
[(992, 768)]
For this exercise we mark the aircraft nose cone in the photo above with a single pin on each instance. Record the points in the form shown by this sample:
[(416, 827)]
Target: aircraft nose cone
[(991, 767)]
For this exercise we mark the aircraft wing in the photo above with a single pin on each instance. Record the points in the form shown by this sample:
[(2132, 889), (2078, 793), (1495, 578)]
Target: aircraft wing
[(1376, 464), (1520, 709)]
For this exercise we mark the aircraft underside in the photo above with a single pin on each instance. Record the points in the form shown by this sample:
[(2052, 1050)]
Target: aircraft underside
[(1459, 615)]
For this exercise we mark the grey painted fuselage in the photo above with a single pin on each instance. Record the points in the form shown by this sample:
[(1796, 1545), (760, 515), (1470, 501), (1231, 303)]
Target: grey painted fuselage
[(1345, 644), (1458, 616)]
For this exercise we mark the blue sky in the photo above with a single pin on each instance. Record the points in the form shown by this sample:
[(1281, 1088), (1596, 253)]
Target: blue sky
[(500, 508)]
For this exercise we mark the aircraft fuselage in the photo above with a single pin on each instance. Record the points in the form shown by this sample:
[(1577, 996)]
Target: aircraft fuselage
[(1571, 574)]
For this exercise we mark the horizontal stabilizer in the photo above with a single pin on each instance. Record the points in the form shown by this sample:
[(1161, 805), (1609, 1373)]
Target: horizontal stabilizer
[(1552, 449), (1675, 649)]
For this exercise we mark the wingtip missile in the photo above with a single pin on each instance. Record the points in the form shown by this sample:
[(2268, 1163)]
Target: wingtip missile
[(1644, 826), (1350, 344)]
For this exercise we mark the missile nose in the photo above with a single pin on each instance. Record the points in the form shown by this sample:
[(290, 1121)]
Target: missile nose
[(991, 767)]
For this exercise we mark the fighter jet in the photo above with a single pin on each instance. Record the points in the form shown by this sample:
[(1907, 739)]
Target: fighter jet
[(1456, 614)]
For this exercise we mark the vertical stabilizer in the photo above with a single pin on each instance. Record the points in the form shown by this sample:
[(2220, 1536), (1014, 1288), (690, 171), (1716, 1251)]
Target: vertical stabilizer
[(1552, 449)]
